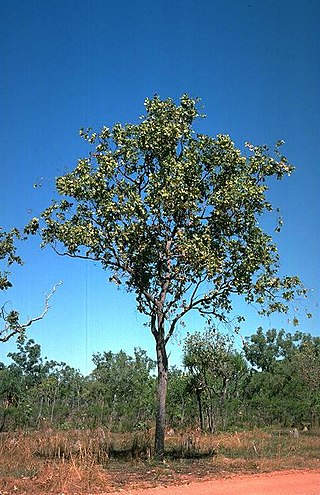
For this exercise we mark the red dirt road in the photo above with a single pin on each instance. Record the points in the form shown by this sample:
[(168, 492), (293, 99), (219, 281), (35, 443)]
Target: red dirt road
[(279, 483)]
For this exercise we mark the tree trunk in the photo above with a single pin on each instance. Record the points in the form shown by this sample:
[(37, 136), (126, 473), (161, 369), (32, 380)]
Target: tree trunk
[(162, 364), (198, 395)]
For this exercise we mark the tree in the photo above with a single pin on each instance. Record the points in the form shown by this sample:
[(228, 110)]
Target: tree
[(11, 391), (216, 370), (125, 387), (35, 391), (11, 319), (180, 408), (173, 215), (285, 382), (307, 361), (263, 350)]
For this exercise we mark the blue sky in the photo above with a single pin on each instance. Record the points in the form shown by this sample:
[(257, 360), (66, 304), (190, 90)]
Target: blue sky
[(70, 64)]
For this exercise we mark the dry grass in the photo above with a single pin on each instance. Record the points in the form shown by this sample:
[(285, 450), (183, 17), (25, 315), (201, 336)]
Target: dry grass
[(82, 461)]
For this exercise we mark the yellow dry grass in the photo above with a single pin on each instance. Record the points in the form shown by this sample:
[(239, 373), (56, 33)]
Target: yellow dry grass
[(92, 461)]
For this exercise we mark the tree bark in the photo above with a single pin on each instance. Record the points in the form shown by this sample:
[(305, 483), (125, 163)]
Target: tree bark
[(162, 364)]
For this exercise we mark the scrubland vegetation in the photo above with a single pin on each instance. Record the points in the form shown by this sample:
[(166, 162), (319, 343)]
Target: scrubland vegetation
[(228, 412), (275, 381)]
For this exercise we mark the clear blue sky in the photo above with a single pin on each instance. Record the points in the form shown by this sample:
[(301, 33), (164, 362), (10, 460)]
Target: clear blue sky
[(65, 65)]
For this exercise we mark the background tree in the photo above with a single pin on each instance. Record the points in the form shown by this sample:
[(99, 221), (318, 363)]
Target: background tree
[(284, 386), (173, 215), (307, 362), (119, 394), (36, 392), (180, 408), (264, 349), (216, 372), (125, 388), (32, 372), (11, 390)]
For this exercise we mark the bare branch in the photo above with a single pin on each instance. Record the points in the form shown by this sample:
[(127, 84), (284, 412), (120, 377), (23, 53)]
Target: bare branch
[(74, 255), (11, 329)]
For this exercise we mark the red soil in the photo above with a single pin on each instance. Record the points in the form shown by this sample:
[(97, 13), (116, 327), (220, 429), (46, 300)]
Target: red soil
[(277, 483)]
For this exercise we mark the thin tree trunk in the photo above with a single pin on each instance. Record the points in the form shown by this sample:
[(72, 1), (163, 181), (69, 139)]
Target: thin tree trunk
[(211, 416), (53, 404), (162, 364), (40, 413), (198, 395)]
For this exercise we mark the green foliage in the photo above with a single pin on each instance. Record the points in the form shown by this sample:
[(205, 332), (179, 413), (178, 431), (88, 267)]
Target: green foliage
[(181, 408), (216, 376), (284, 386), (8, 256), (35, 391), (28, 360), (216, 390), (167, 210), (125, 389)]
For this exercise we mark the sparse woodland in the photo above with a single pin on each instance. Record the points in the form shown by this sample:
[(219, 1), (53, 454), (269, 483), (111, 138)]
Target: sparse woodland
[(173, 216), (275, 381)]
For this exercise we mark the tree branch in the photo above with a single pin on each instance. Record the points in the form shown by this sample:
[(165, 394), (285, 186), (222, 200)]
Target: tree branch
[(194, 304), (10, 329)]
